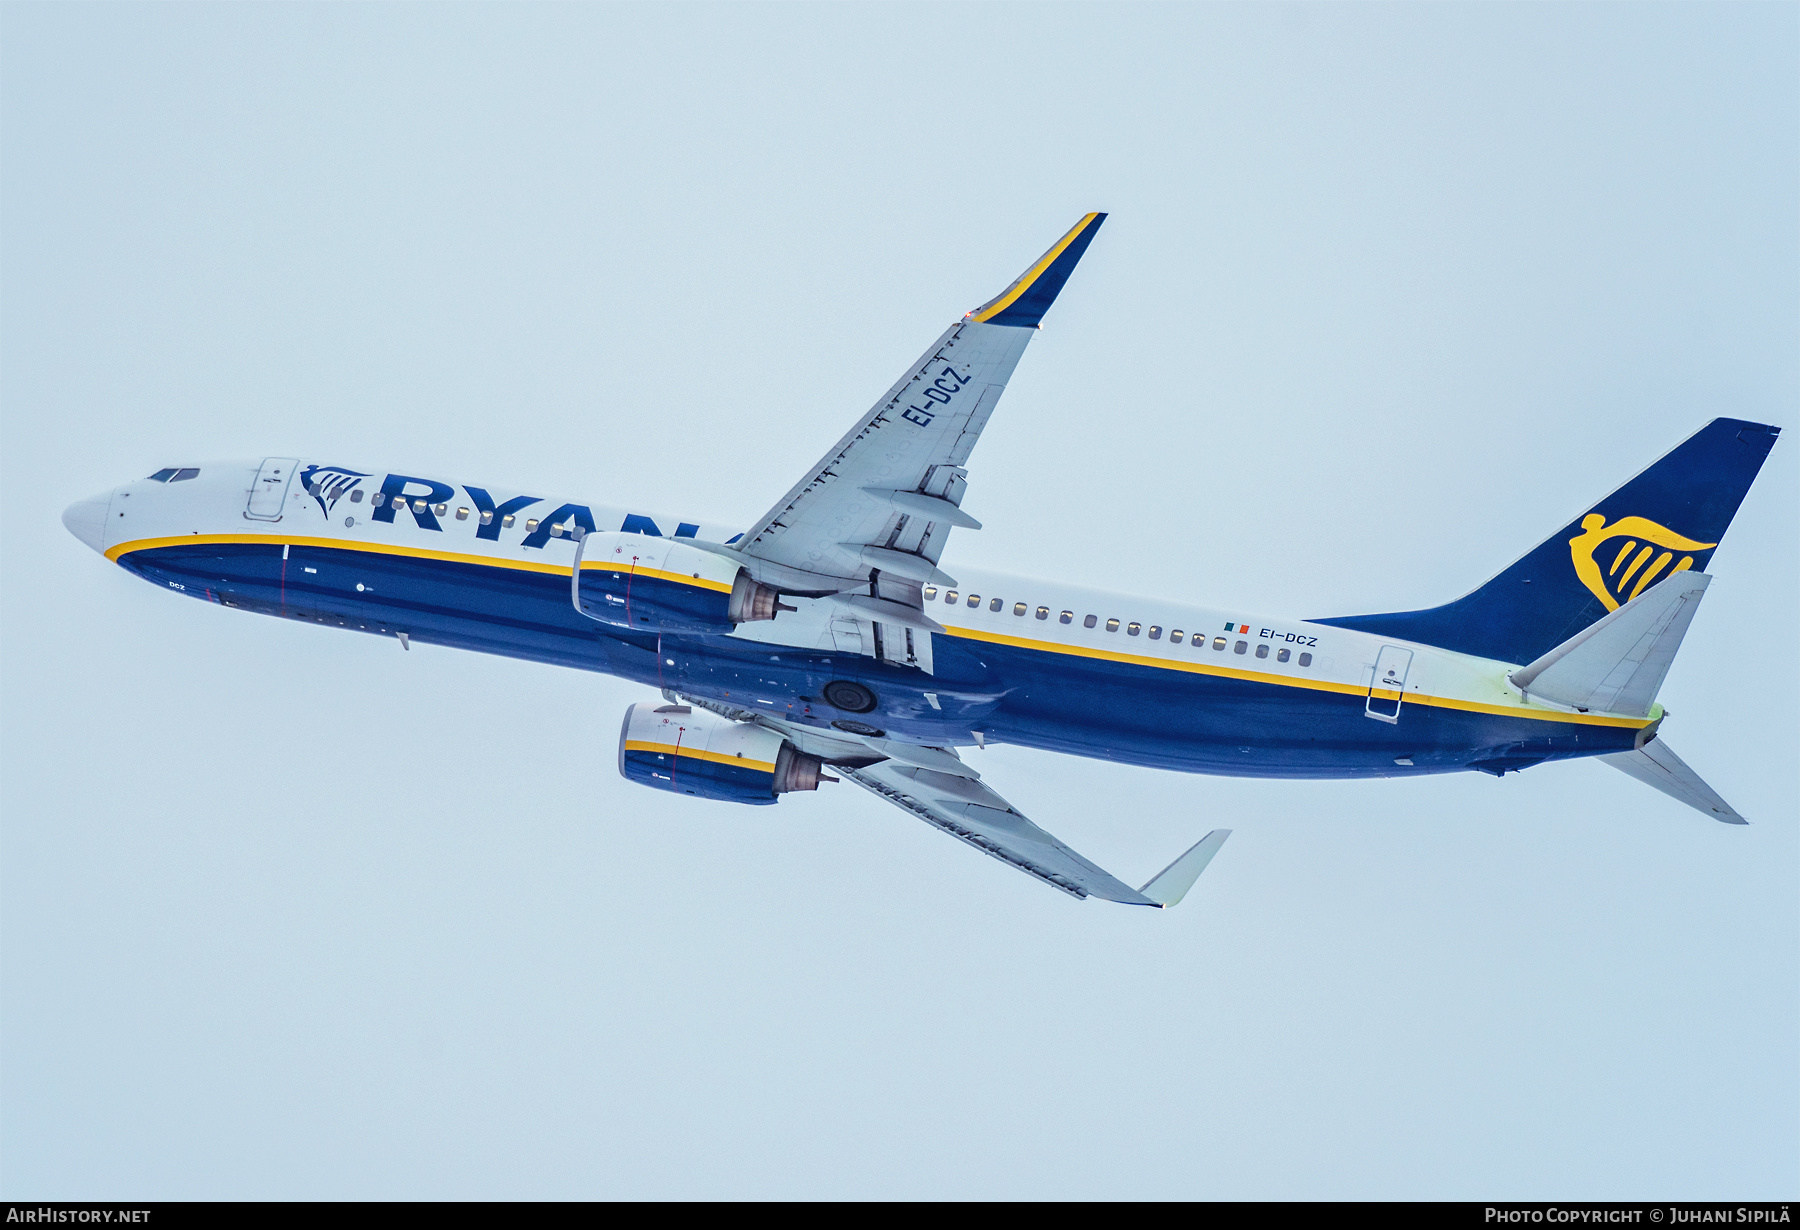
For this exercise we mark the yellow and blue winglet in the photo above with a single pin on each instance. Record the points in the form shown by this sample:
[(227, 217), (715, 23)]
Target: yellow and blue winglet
[(1024, 303)]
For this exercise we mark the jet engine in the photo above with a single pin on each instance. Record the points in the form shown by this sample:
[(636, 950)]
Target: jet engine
[(665, 585), (691, 751)]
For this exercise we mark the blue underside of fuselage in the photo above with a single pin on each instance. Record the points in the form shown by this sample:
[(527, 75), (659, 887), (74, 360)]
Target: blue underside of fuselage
[(1165, 719)]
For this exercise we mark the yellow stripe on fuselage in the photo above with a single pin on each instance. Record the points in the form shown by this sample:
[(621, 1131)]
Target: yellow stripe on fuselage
[(680, 578), (688, 753), (1316, 685), (1077, 651), (1031, 275), (382, 548)]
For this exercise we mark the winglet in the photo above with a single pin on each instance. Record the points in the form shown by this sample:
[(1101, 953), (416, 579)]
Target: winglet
[(1024, 303), (1169, 886)]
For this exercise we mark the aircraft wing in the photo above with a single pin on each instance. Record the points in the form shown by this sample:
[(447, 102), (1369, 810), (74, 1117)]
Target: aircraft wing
[(886, 496), (971, 812)]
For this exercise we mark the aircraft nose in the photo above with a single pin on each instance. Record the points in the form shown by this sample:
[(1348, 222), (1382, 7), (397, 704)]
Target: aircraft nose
[(86, 519)]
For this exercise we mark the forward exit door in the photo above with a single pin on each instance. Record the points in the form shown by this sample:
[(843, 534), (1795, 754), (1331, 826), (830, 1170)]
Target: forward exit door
[(1388, 684), (268, 494)]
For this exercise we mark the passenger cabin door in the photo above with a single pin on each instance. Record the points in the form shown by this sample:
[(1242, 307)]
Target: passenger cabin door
[(268, 494), (1388, 684)]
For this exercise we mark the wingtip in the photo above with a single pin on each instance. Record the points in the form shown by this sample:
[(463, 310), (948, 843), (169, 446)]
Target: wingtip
[(1023, 304), (1172, 883)]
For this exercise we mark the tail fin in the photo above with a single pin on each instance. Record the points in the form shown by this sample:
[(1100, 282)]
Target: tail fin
[(1668, 519)]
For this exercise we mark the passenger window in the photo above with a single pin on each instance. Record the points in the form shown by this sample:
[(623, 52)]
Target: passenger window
[(487, 517), (531, 526), (185, 473), (1112, 625), (1306, 659), (995, 605), (356, 496), (1240, 647), (440, 509), (1175, 636), (378, 499), (974, 600), (1281, 655), (1090, 621), (1133, 628), (418, 506), (1018, 608), (1043, 612), (163, 476), (462, 514), (506, 522), (1262, 651), (931, 593), (1218, 643), (1066, 617), (1155, 632), (950, 596)]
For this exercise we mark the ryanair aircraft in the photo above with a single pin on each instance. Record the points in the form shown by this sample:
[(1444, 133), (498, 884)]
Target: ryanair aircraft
[(829, 642)]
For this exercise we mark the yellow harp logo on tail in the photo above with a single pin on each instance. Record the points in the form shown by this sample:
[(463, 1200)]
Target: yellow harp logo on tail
[(1645, 551)]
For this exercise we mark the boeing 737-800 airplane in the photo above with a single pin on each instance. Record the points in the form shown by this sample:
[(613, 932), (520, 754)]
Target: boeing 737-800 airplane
[(828, 638)]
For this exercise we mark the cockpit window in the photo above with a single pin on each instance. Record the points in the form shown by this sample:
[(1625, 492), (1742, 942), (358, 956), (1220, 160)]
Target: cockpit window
[(185, 473), (163, 476)]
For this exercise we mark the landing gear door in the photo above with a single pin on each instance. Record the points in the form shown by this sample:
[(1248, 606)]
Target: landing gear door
[(847, 634), (883, 641), (268, 494), (1388, 685), (902, 644)]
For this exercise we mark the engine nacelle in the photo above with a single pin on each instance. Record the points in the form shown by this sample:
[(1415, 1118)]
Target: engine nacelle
[(691, 751), (655, 584)]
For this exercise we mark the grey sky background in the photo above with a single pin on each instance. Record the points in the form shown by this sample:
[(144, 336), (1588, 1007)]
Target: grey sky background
[(1387, 294)]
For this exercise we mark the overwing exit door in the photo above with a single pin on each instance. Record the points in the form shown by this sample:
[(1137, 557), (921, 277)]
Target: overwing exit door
[(1388, 684), (268, 493)]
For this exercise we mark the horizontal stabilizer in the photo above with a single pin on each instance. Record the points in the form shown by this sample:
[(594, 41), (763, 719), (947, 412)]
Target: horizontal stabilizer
[(1618, 664), (1172, 884), (1656, 764)]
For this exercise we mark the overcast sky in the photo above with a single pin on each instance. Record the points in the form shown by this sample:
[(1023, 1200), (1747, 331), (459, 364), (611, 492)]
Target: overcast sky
[(1387, 294)]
